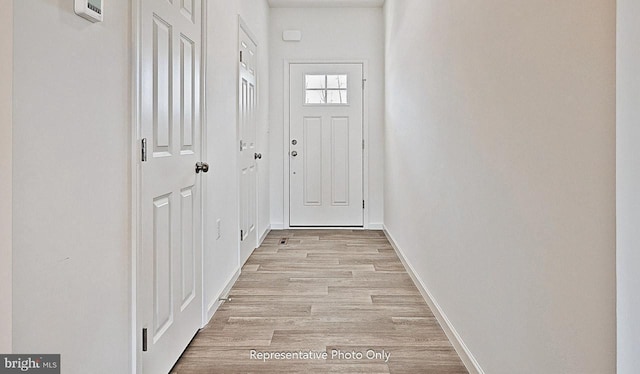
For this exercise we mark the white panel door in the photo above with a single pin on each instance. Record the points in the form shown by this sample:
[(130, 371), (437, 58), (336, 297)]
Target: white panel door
[(325, 145), (247, 107), (169, 284)]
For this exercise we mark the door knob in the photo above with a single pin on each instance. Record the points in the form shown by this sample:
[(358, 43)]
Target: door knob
[(257, 156), (294, 153), (202, 167)]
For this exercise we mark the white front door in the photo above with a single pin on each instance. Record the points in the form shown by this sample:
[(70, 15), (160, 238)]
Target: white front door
[(247, 106), (169, 269), (325, 145)]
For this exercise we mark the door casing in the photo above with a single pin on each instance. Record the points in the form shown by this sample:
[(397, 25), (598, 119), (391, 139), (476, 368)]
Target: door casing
[(286, 136), (136, 173)]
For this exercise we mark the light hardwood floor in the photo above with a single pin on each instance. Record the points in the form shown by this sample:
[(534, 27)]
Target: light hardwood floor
[(323, 291)]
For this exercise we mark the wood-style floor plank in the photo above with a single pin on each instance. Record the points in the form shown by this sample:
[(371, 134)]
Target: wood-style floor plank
[(334, 291)]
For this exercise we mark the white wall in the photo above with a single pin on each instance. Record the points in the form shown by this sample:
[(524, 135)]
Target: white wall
[(6, 89), (500, 173), (221, 255), (71, 183), (628, 185), (328, 34)]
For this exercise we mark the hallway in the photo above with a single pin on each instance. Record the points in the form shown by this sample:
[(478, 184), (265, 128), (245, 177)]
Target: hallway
[(324, 290), (481, 157)]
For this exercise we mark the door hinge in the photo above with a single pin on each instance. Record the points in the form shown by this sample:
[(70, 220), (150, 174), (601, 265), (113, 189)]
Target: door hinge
[(241, 235), (143, 149), (241, 148), (362, 143), (362, 204), (240, 56), (364, 81), (144, 339)]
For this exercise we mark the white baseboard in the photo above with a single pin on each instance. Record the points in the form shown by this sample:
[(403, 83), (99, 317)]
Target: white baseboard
[(458, 344), (372, 226), (354, 228), (215, 303), (264, 235)]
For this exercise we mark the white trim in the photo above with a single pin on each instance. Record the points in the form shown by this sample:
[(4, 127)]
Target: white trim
[(281, 228), (6, 182), (287, 126), (461, 348), (357, 228), (277, 226), (203, 150), (365, 151), (238, 159), (215, 304), (376, 226), (264, 236), (136, 236)]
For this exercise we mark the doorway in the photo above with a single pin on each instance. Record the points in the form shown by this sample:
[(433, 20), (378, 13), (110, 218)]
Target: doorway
[(248, 156), (169, 302), (326, 145)]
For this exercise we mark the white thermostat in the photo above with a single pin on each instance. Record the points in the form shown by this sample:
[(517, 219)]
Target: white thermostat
[(89, 9)]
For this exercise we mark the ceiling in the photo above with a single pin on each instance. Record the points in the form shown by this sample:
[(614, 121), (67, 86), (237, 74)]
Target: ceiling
[(326, 3)]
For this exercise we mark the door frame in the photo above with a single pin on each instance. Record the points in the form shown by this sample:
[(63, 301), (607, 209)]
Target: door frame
[(6, 167), (243, 26), (136, 174), (287, 130)]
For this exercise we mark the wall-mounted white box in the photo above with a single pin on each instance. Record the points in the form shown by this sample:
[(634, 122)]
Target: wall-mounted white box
[(292, 35), (90, 10)]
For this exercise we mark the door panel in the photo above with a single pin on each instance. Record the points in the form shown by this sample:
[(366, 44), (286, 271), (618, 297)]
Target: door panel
[(169, 279), (162, 74), (187, 247), (247, 132), (325, 151), (187, 7), (340, 161), (187, 84), (162, 300), (312, 147)]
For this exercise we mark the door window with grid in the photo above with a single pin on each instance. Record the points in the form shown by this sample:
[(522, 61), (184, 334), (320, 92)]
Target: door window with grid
[(326, 89)]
